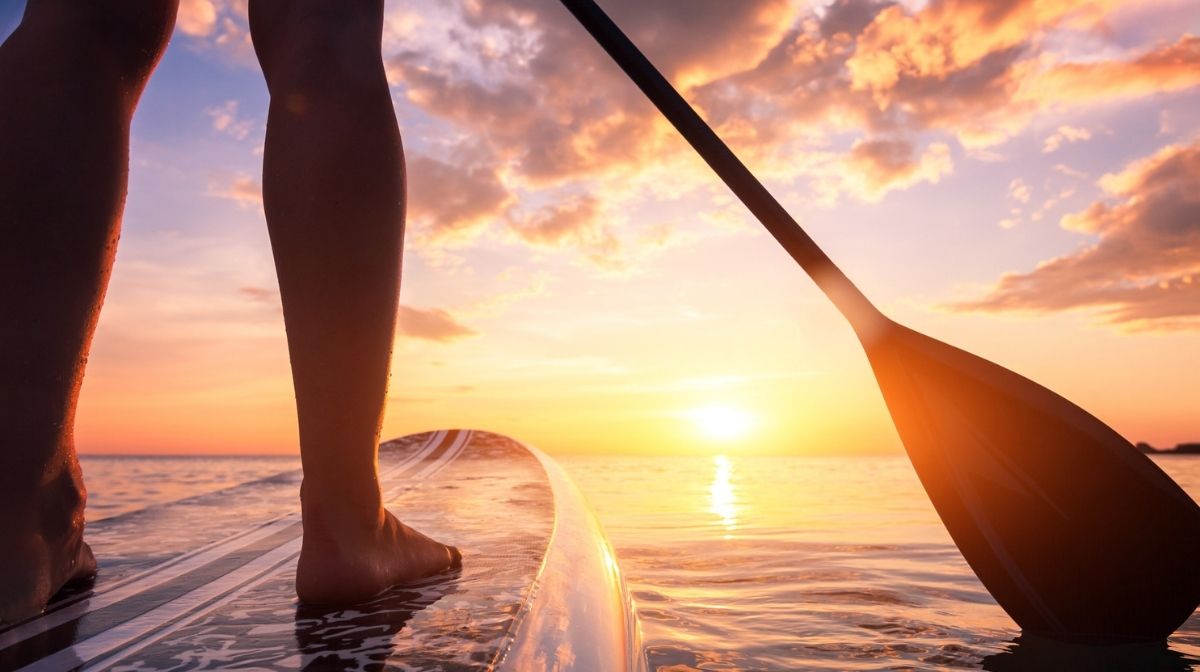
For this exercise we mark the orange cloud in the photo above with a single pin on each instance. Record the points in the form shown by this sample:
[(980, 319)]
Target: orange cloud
[(221, 26), (971, 68), (957, 64), (949, 36), (1145, 268), (545, 108), (800, 84), (1172, 67), (548, 132), (449, 200), (241, 189), (879, 166), (876, 67), (527, 81), (1067, 134), (196, 17), (431, 324), (574, 223), (711, 36)]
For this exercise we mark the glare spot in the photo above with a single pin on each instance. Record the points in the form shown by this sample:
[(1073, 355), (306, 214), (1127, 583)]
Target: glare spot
[(721, 423)]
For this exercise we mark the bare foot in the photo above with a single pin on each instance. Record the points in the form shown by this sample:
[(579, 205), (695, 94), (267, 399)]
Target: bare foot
[(43, 546), (346, 559)]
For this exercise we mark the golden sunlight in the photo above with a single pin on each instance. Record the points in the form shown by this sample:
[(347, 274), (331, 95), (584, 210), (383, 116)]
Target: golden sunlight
[(722, 500), (721, 423)]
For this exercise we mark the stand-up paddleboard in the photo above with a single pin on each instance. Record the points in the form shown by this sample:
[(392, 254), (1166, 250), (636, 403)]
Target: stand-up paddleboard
[(208, 582)]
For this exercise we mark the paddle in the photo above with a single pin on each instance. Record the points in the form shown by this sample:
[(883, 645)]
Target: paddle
[(1076, 534)]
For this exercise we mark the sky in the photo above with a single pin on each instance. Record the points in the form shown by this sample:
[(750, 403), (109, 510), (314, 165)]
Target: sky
[(1020, 179)]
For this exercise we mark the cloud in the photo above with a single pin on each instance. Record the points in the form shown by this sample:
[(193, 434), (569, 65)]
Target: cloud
[(547, 115), (260, 294), (799, 86), (956, 64), (1064, 169), (576, 224), (978, 70), (879, 166), (1172, 67), (879, 67), (524, 78), (1144, 268), (850, 17), (1051, 202), (432, 324), (511, 286), (196, 18), (1018, 190), (225, 120), (949, 36), (218, 26), (553, 225), (1067, 134), (450, 201), (241, 189), (550, 105)]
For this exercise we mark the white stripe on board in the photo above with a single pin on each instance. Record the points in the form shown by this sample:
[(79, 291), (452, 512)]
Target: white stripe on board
[(203, 600), (164, 632), (163, 615), (181, 565), (459, 442)]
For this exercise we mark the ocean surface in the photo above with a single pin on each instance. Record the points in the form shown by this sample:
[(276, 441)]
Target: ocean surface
[(759, 563)]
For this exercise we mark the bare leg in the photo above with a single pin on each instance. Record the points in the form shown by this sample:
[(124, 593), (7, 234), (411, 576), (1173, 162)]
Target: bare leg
[(333, 188), (71, 75)]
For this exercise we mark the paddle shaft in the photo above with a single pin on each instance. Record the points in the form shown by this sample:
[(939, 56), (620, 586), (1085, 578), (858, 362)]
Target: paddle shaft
[(848, 299)]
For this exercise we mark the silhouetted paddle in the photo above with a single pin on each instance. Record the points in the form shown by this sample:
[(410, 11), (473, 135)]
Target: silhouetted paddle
[(1076, 534)]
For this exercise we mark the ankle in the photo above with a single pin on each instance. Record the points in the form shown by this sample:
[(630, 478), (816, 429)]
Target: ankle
[(43, 495), (63, 501), (345, 510)]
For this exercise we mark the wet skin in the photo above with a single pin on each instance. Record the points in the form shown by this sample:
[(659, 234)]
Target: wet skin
[(333, 187)]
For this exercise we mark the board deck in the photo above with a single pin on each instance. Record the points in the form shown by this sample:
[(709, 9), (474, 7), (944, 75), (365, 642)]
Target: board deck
[(208, 582)]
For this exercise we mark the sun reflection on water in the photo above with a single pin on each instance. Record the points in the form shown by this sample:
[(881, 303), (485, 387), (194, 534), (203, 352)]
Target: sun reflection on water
[(722, 500)]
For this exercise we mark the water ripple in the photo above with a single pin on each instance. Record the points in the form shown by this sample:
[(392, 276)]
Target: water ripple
[(833, 564)]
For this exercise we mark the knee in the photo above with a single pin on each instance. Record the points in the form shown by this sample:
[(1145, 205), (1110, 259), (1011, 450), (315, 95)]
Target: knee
[(136, 31), (132, 33), (324, 44)]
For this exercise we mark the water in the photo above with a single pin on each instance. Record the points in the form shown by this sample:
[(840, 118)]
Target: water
[(813, 564), (740, 563), (121, 483)]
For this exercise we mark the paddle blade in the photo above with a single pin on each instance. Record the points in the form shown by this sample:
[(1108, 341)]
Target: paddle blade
[(1076, 534)]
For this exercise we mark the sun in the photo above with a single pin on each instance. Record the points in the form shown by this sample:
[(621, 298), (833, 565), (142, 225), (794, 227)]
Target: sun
[(721, 423)]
